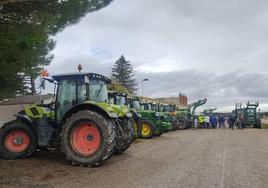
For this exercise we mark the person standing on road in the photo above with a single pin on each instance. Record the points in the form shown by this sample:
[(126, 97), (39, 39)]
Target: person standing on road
[(195, 122), (232, 121), (213, 121), (222, 120), (242, 123), (219, 120), (207, 121)]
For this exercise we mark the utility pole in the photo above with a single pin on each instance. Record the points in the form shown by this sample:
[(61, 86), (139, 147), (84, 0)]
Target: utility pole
[(144, 80)]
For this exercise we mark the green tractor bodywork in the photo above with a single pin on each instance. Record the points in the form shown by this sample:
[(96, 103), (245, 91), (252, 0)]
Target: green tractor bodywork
[(168, 120), (148, 113), (79, 121), (185, 117), (151, 124), (122, 100), (37, 112), (250, 114)]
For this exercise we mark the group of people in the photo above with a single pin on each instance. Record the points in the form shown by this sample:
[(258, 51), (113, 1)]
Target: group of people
[(212, 121), (236, 120)]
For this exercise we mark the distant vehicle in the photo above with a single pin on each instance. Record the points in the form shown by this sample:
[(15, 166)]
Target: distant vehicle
[(249, 113)]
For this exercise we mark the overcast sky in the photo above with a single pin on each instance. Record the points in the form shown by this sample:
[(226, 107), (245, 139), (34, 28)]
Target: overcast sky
[(209, 48)]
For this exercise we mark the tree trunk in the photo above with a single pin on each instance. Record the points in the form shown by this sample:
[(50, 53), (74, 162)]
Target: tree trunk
[(33, 90)]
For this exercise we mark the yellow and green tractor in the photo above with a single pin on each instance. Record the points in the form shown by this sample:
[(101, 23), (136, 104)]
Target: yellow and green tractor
[(79, 121)]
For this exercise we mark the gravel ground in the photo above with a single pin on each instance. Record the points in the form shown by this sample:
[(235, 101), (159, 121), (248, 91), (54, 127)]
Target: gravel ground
[(191, 158)]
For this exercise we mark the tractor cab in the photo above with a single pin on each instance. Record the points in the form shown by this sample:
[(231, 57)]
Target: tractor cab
[(135, 103), (73, 89), (118, 98), (166, 108), (146, 106), (155, 107)]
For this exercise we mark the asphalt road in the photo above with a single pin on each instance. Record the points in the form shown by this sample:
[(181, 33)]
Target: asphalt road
[(191, 158)]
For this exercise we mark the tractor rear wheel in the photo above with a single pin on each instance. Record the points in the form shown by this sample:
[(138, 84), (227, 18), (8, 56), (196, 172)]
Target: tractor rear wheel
[(17, 140), (147, 129), (126, 137), (87, 138), (258, 124), (182, 123)]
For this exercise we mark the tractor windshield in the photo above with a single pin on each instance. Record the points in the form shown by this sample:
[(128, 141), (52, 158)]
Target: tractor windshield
[(120, 100), (166, 108), (136, 105), (98, 91)]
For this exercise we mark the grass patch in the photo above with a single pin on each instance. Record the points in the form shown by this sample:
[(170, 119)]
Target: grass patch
[(264, 126)]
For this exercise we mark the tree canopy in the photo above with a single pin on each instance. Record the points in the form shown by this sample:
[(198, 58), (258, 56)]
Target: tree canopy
[(26, 30), (123, 73)]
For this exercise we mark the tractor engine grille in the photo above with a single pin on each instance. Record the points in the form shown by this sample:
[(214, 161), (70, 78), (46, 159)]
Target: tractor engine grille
[(34, 111)]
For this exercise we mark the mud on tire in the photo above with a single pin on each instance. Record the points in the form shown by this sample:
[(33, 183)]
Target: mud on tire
[(24, 135), (97, 134)]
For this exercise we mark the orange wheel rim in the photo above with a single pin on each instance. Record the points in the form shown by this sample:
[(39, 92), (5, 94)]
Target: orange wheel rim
[(17, 141), (86, 139)]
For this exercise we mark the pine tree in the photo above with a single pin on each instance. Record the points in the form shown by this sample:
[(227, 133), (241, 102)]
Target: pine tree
[(123, 73), (27, 28)]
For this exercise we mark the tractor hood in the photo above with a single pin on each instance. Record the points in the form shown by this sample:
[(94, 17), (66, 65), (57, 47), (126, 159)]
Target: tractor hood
[(113, 110)]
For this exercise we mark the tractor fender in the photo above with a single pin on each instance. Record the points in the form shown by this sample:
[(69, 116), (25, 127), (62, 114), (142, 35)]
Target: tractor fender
[(88, 106), (25, 119)]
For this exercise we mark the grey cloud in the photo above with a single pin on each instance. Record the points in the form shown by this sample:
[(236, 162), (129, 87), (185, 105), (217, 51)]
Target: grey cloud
[(221, 90), (219, 48)]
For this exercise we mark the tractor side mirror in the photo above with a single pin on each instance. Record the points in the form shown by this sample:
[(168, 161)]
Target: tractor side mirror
[(43, 84)]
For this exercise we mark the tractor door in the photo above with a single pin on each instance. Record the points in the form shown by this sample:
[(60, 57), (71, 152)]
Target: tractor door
[(70, 92)]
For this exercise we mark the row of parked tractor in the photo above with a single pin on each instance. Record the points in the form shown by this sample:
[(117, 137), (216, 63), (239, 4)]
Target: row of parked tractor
[(87, 122)]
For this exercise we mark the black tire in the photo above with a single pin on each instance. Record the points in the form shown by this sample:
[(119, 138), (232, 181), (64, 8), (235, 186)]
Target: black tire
[(152, 128), (107, 142), (20, 126), (258, 124), (182, 123), (124, 141), (158, 132)]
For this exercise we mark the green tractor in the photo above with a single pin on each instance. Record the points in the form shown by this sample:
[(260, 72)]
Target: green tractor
[(250, 114), (151, 124), (122, 99), (185, 117), (168, 117), (79, 121)]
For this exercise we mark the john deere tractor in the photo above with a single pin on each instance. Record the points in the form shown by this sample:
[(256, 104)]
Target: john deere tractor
[(79, 121), (122, 100), (168, 116), (151, 124)]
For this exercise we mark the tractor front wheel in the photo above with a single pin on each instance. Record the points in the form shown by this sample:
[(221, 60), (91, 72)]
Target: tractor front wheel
[(125, 137), (258, 124), (182, 123), (17, 140), (87, 138), (147, 129)]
